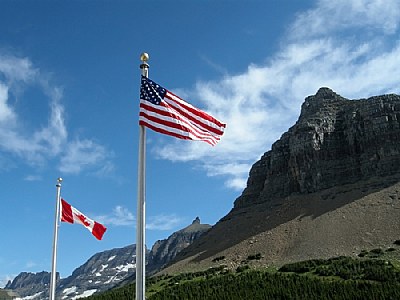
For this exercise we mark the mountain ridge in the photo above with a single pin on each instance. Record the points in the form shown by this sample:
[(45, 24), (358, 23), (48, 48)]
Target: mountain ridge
[(105, 269), (329, 186)]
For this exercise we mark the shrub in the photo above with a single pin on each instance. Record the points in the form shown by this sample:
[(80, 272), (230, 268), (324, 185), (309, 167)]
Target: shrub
[(254, 257), (242, 268), (377, 251), (218, 258), (363, 253)]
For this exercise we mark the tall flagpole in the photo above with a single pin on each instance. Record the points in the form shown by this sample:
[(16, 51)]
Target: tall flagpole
[(141, 202), (52, 293)]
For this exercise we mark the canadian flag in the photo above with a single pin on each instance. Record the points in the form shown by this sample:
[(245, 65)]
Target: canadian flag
[(71, 215)]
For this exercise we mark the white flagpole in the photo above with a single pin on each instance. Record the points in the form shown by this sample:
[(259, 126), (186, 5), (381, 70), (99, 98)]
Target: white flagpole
[(52, 293), (141, 202)]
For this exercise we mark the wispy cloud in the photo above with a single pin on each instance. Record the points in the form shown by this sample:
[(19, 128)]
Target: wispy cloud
[(163, 222), (82, 154), (346, 45), (329, 17), (121, 216), (36, 146), (33, 178), (30, 264), (216, 67)]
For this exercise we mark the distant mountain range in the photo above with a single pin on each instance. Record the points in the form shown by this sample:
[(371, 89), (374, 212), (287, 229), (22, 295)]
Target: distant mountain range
[(106, 269)]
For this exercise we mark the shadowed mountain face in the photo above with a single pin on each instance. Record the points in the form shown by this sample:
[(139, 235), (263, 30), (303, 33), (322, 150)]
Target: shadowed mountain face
[(328, 186), (164, 251)]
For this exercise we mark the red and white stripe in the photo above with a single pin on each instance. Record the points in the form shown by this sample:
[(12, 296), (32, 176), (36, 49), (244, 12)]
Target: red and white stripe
[(175, 117), (71, 215)]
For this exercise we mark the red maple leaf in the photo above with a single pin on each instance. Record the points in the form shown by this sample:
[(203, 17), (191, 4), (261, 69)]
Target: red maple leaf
[(83, 219)]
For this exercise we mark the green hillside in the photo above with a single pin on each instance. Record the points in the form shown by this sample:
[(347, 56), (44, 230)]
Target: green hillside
[(337, 278), (6, 295)]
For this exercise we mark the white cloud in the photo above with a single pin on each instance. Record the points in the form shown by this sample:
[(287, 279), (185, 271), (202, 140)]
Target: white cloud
[(17, 69), (6, 112), (30, 264), (163, 222), (329, 17), (82, 154), (55, 134), (321, 48), (33, 178), (121, 216), (36, 146), (216, 67)]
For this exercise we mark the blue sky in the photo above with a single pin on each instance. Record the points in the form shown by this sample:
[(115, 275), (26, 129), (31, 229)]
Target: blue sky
[(69, 89)]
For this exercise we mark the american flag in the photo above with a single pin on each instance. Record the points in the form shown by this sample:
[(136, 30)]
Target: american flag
[(166, 113)]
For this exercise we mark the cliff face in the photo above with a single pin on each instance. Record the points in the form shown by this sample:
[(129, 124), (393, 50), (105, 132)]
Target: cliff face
[(31, 283), (329, 186), (336, 141), (164, 251)]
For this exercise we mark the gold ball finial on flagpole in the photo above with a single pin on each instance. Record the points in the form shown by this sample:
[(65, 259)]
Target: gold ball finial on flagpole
[(144, 57)]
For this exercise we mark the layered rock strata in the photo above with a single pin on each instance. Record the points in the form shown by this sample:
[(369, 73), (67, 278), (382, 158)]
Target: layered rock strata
[(335, 141)]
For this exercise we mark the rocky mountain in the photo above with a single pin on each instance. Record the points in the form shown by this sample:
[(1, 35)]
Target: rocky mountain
[(106, 269), (329, 186), (164, 251), (101, 272), (29, 283), (335, 142)]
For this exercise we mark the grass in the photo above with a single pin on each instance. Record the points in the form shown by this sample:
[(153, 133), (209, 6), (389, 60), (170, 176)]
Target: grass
[(377, 270)]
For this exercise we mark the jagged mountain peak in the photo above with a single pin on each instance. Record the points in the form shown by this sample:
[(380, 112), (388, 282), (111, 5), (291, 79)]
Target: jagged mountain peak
[(164, 251), (196, 226), (28, 278), (329, 186), (325, 93), (325, 101), (334, 142)]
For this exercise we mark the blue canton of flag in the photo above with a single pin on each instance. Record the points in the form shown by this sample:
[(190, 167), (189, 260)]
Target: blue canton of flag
[(151, 91)]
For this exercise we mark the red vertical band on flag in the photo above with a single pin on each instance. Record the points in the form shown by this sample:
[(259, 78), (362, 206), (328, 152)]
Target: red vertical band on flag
[(66, 212), (98, 230)]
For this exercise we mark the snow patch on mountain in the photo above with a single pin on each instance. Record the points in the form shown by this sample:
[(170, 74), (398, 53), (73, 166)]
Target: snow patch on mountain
[(125, 268), (111, 258), (35, 296), (85, 294), (70, 290)]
